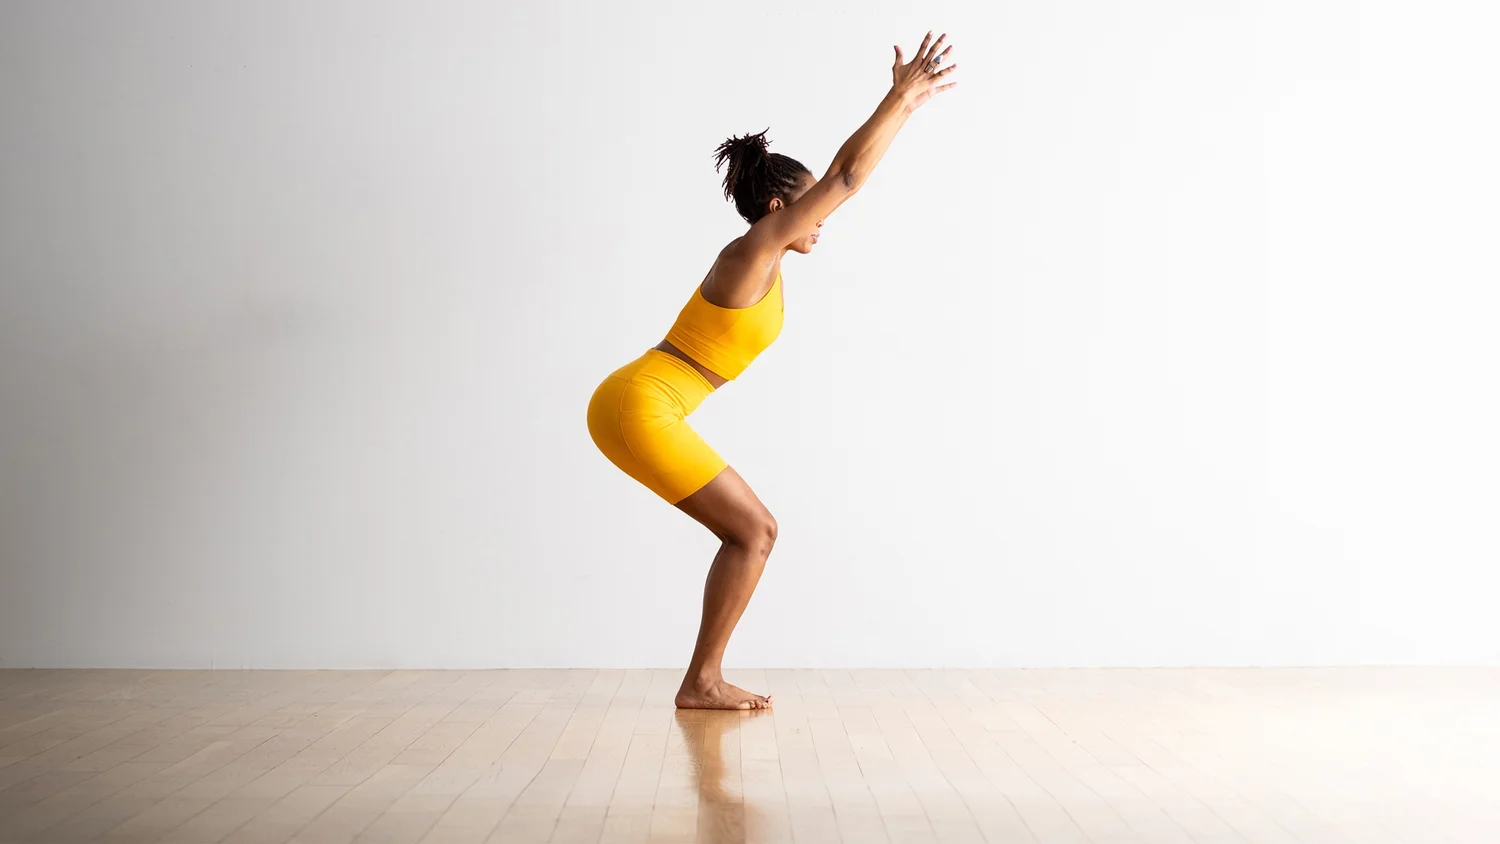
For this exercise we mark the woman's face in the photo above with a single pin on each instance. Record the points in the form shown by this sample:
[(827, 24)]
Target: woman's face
[(805, 243)]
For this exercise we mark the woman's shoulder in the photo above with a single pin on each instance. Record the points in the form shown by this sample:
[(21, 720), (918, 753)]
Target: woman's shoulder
[(738, 278)]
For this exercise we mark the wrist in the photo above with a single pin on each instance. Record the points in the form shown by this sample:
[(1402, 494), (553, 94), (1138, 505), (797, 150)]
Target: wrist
[(901, 99)]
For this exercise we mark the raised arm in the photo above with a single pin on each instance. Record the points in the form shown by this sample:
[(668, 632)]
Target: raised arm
[(913, 84)]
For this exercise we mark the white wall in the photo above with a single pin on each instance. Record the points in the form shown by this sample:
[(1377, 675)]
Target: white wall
[(1168, 338)]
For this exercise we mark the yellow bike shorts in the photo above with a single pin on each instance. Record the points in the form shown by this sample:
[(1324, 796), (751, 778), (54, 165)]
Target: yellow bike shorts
[(638, 418)]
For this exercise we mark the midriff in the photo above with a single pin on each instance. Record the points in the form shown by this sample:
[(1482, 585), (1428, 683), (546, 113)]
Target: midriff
[(675, 352)]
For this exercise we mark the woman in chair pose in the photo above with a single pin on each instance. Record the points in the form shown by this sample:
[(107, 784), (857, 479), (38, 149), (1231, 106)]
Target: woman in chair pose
[(638, 414)]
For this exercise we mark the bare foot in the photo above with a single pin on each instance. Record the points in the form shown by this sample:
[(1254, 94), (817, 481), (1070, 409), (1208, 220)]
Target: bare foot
[(719, 695)]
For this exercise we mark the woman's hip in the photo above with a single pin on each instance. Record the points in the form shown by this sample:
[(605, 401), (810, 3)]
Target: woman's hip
[(656, 383), (637, 418)]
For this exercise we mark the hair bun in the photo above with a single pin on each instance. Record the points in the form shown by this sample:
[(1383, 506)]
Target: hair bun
[(744, 155)]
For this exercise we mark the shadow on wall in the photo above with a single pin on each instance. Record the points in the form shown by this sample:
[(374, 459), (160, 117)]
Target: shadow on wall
[(152, 469)]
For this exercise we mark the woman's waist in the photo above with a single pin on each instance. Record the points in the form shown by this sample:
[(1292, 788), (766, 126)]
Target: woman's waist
[(720, 359), (715, 380)]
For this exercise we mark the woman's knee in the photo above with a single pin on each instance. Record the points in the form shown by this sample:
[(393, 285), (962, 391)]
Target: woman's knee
[(770, 527), (757, 533)]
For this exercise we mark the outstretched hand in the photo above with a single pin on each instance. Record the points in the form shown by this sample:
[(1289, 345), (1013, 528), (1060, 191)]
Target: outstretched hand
[(917, 80)]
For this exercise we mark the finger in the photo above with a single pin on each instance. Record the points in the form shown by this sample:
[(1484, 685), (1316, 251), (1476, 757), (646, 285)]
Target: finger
[(945, 71), (922, 50), (898, 55), (937, 59), (942, 39), (941, 88)]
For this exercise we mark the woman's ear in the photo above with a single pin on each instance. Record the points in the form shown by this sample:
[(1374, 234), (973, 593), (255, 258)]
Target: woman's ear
[(774, 205)]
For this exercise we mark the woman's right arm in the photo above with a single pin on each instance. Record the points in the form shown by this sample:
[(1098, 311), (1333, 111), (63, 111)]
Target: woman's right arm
[(912, 85)]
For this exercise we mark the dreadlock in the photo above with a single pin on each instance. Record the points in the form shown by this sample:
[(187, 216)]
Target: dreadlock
[(755, 174)]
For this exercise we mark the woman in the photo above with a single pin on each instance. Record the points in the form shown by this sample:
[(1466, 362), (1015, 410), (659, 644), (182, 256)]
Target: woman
[(638, 414)]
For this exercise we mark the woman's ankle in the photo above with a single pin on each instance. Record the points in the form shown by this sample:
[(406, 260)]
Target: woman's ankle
[(702, 679)]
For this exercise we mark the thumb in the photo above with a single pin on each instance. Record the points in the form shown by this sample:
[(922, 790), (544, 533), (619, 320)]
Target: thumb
[(898, 54)]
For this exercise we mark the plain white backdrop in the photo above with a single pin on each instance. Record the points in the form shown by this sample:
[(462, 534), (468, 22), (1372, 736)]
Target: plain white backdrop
[(1167, 338)]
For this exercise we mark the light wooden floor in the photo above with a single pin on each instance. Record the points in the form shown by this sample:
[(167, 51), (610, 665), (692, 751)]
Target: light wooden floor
[(1354, 756)]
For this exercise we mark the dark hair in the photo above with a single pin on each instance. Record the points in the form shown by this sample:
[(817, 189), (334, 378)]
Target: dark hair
[(756, 174)]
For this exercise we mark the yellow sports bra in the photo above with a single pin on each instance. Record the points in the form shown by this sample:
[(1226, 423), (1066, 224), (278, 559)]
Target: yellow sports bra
[(725, 340)]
